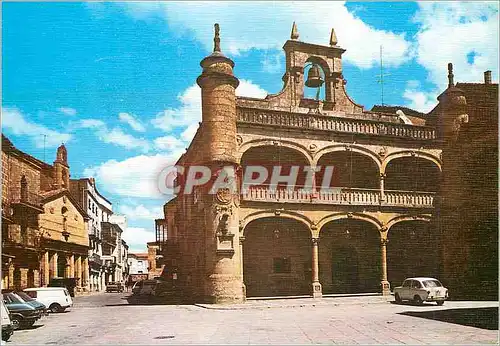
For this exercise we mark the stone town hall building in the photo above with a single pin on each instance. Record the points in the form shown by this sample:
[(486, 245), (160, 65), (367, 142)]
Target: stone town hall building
[(377, 225)]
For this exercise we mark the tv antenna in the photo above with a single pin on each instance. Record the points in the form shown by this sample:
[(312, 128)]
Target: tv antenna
[(381, 77)]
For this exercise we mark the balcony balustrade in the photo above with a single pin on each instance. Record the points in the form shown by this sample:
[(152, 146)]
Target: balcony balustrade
[(334, 124), (339, 196)]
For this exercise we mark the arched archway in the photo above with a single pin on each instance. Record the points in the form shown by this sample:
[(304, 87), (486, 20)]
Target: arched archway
[(350, 169), (277, 257), (349, 257), (272, 156), (412, 173), (412, 251)]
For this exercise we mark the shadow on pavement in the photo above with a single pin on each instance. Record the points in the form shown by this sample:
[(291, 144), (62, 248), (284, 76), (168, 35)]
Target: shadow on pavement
[(484, 318), (149, 300)]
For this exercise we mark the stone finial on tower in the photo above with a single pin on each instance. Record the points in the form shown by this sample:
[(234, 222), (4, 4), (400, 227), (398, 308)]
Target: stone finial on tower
[(295, 33), (450, 75), (216, 38), (333, 38)]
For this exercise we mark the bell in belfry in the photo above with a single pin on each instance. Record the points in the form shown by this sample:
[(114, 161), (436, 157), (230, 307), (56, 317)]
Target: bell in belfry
[(314, 79)]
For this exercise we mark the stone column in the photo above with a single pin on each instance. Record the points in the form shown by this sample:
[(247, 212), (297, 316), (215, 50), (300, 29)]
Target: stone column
[(53, 266), (382, 186), (85, 274), (24, 277), (11, 275), (36, 278), (244, 288), (45, 265), (316, 286), (386, 288), (71, 268)]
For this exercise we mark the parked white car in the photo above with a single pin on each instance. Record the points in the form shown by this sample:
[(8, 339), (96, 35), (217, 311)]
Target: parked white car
[(57, 299), (421, 289), (7, 327)]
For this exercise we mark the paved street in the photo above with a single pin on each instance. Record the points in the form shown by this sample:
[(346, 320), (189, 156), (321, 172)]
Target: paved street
[(109, 319)]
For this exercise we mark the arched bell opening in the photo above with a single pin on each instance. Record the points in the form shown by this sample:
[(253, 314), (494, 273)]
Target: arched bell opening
[(270, 157), (350, 169), (349, 257), (277, 258), (314, 85), (412, 174), (412, 250)]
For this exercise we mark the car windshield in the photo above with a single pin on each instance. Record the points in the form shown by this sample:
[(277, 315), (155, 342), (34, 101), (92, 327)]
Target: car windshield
[(24, 296), (12, 298), (432, 283)]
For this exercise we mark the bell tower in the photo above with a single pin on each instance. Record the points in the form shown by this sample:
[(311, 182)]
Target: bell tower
[(223, 279), (61, 168), (326, 67)]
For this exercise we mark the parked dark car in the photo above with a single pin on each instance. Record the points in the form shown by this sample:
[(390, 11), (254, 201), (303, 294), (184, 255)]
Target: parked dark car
[(22, 314), (68, 283), (29, 300), (114, 287)]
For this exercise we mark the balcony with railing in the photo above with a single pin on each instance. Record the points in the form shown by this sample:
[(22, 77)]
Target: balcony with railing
[(334, 124), (339, 196), (95, 259)]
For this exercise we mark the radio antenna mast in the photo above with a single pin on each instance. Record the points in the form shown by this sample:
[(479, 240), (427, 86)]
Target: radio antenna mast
[(381, 77)]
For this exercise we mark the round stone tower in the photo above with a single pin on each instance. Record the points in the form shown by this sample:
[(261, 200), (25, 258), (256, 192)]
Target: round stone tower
[(218, 87), (223, 281)]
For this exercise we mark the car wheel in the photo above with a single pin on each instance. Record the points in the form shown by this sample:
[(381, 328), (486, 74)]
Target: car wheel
[(417, 300), (54, 307), (16, 322), (398, 298), (440, 302)]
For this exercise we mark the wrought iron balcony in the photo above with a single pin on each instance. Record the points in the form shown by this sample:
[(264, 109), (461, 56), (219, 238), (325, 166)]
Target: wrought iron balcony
[(95, 258), (333, 124), (340, 196)]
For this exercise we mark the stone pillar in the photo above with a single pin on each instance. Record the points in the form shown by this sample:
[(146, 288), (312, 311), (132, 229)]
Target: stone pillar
[(316, 286), (386, 288), (223, 281), (78, 270), (71, 268), (85, 274), (36, 278), (24, 277), (11, 275), (382, 186), (45, 266), (243, 287), (53, 265)]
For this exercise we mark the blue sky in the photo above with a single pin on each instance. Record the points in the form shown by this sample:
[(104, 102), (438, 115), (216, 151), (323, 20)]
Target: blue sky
[(116, 81)]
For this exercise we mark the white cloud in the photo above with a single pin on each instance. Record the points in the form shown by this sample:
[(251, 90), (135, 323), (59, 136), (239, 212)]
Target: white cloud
[(91, 123), (141, 212), (189, 113), (118, 137), (131, 120), (247, 88), (67, 110), (169, 143), (419, 100), (449, 32), (133, 177), (114, 136), (267, 25), (137, 238), (15, 122)]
